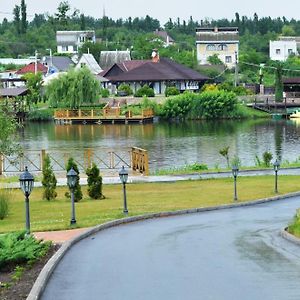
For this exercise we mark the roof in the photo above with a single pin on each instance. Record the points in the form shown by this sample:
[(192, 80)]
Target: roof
[(165, 69), (90, 62), (164, 35), (291, 80), (61, 63), (30, 68), (109, 58), (13, 92), (217, 34)]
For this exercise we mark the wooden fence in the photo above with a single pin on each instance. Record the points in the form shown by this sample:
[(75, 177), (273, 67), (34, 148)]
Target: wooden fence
[(136, 159)]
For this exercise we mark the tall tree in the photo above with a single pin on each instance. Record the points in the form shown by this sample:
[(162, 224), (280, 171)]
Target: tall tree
[(278, 83), (17, 20), (62, 13), (24, 23)]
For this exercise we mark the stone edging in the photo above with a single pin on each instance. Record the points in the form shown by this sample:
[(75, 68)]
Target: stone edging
[(48, 269), (289, 237)]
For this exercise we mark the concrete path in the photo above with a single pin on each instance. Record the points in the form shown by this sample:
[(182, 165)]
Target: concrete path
[(224, 254)]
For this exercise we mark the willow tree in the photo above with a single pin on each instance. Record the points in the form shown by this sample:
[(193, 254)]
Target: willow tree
[(73, 89)]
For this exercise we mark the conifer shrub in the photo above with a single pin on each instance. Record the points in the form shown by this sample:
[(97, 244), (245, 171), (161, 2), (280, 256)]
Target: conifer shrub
[(144, 91), (94, 181), (49, 180), (77, 190), (4, 203)]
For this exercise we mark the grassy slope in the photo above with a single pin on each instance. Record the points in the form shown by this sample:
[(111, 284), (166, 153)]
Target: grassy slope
[(142, 198)]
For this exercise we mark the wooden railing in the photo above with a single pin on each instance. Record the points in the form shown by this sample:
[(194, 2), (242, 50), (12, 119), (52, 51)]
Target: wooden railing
[(140, 160)]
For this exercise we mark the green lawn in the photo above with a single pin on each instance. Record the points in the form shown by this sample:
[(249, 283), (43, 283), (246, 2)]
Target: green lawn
[(142, 199)]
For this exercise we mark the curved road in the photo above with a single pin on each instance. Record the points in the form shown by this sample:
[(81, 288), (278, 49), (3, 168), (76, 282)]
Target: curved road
[(225, 254)]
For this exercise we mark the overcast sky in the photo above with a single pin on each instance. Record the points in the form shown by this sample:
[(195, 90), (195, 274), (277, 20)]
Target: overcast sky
[(162, 10)]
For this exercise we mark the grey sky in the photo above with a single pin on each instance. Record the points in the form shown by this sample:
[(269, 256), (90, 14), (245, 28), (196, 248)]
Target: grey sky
[(163, 10)]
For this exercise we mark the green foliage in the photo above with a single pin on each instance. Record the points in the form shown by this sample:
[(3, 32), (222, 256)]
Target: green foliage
[(73, 89), (278, 84), (198, 167), (171, 91), (34, 85), (214, 59), (148, 103), (94, 182), (225, 153), (104, 93), (77, 190), (125, 89), (235, 161), (18, 273), (4, 203), (49, 180), (16, 248), (267, 157), (144, 91), (40, 115)]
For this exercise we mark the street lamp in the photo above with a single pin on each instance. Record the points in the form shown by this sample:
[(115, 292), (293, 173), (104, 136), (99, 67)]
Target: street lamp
[(26, 184), (71, 180), (235, 171), (276, 166), (124, 177)]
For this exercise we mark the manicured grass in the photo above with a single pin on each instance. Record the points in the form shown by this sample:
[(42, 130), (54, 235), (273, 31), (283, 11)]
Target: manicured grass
[(142, 199)]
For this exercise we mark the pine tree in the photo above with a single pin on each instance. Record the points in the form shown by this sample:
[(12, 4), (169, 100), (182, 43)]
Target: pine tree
[(49, 180), (77, 190), (24, 23), (94, 182), (17, 20)]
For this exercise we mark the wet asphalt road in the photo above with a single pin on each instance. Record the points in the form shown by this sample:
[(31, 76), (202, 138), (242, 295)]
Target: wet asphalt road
[(228, 254)]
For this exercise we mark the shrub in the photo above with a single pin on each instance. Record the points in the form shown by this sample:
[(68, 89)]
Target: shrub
[(104, 93), (40, 115), (4, 203), (94, 182), (225, 153), (77, 190), (144, 91), (49, 180), (18, 248), (267, 157), (171, 91), (198, 167), (125, 89)]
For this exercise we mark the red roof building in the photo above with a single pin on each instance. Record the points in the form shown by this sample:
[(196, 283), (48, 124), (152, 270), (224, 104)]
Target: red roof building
[(31, 69)]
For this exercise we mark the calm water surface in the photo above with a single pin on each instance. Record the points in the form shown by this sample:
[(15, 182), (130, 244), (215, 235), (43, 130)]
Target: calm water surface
[(174, 144)]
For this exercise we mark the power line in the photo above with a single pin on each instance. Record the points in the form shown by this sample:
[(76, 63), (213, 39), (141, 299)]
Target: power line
[(268, 67)]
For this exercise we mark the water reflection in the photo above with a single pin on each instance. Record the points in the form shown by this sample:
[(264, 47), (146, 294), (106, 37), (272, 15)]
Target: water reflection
[(174, 144)]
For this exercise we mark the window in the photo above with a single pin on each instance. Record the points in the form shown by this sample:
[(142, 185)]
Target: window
[(228, 59), (278, 51), (290, 51), (222, 47), (210, 47), (82, 39)]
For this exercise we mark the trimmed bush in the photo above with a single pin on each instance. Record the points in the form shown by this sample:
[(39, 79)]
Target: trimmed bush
[(267, 157), (18, 247), (94, 182), (124, 90), (104, 93), (4, 203), (145, 91), (49, 180), (77, 190), (171, 91)]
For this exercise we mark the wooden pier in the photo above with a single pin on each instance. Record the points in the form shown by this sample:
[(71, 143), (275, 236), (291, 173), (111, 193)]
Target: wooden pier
[(110, 115)]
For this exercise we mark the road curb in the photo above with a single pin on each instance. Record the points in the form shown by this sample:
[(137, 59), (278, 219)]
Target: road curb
[(289, 237), (40, 283)]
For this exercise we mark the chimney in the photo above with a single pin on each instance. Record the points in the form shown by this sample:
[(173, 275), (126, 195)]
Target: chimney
[(155, 56)]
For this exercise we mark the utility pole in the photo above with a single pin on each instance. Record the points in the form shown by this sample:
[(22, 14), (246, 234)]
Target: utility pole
[(236, 74)]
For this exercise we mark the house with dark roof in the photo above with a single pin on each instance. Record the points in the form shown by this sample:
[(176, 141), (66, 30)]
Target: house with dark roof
[(291, 87), (57, 64), (220, 41), (167, 39), (157, 73), (109, 58)]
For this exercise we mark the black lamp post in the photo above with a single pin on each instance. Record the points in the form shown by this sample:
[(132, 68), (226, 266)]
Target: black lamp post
[(26, 184), (276, 166), (235, 171), (71, 180), (124, 177)]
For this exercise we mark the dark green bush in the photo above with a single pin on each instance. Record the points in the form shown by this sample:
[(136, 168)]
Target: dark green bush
[(40, 115), (171, 91), (144, 91), (77, 190), (125, 89), (267, 157), (49, 180), (104, 93), (16, 248), (94, 182)]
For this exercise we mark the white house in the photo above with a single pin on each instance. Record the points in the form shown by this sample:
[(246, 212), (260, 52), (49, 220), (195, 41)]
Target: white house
[(220, 41), (282, 49), (90, 62), (71, 41)]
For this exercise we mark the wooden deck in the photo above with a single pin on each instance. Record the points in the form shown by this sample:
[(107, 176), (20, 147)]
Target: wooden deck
[(99, 116)]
